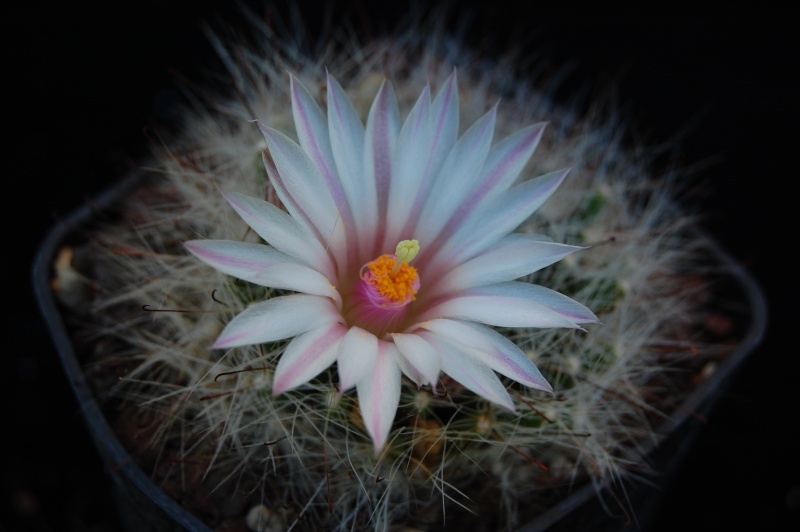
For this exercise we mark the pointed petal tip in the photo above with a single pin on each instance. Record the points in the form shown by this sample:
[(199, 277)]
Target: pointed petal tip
[(219, 345), (379, 442), (379, 447), (509, 406), (595, 321), (265, 130), (546, 387), (283, 385)]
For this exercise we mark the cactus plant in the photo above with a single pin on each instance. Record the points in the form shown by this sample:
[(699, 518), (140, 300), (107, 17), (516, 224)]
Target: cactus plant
[(219, 425)]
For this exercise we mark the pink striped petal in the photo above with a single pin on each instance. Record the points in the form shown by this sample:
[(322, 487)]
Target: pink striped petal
[(281, 230), (498, 217), (346, 133), (457, 179), (312, 131), (278, 318), (307, 189), (429, 153), (307, 356), (262, 265), (411, 168), (506, 305), (445, 115), (379, 394), (469, 372), (356, 359), (421, 355), (383, 128), (507, 159), (491, 348), (294, 209), (503, 165), (514, 256)]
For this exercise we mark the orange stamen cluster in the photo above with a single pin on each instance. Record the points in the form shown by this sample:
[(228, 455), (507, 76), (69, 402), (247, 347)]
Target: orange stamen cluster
[(394, 288)]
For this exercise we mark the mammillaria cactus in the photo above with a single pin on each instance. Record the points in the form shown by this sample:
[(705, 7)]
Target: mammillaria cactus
[(222, 380)]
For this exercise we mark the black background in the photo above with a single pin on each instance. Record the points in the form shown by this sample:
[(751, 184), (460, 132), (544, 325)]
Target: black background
[(81, 84)]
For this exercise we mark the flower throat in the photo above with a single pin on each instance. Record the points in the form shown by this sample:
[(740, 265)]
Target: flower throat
[(386, 286)]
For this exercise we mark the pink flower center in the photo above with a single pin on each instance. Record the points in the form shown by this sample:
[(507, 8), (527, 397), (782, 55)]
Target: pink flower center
[(393, 283), (380, 298)]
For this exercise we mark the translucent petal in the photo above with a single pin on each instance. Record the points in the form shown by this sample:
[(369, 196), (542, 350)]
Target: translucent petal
[(428, 153), (356, 359), (491, 348), (507, 159), (346, 133), (307, 356), (411, 168), (281, 230), (278, 318), (383, 128), (379, 394), (469, 372), (457, 178), (262, 265), (556, 301), (512, 305), (498, 217), (312, 131), (421, 355), (514, 256), (445, 114), (308, 190), (410, 371)]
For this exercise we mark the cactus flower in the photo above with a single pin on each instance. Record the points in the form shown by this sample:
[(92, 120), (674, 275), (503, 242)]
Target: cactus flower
[(396, 244)]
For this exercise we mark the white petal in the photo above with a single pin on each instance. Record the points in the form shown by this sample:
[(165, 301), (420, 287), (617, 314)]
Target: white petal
[(379, 394), (498, 217), (293, 207), (276, 319), (502, 305), (470, 373), (444, 115), (457, 178), (514, 256), (412, 169), (346, 133), (491, 348), (281, 230), (428, 153), (383, 128), (307, 356), (262, 265), (507, 159), (421, 355), (410, 371), (356, 359), (312, 131), (556, 301), (306, 188), (503, 165)]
